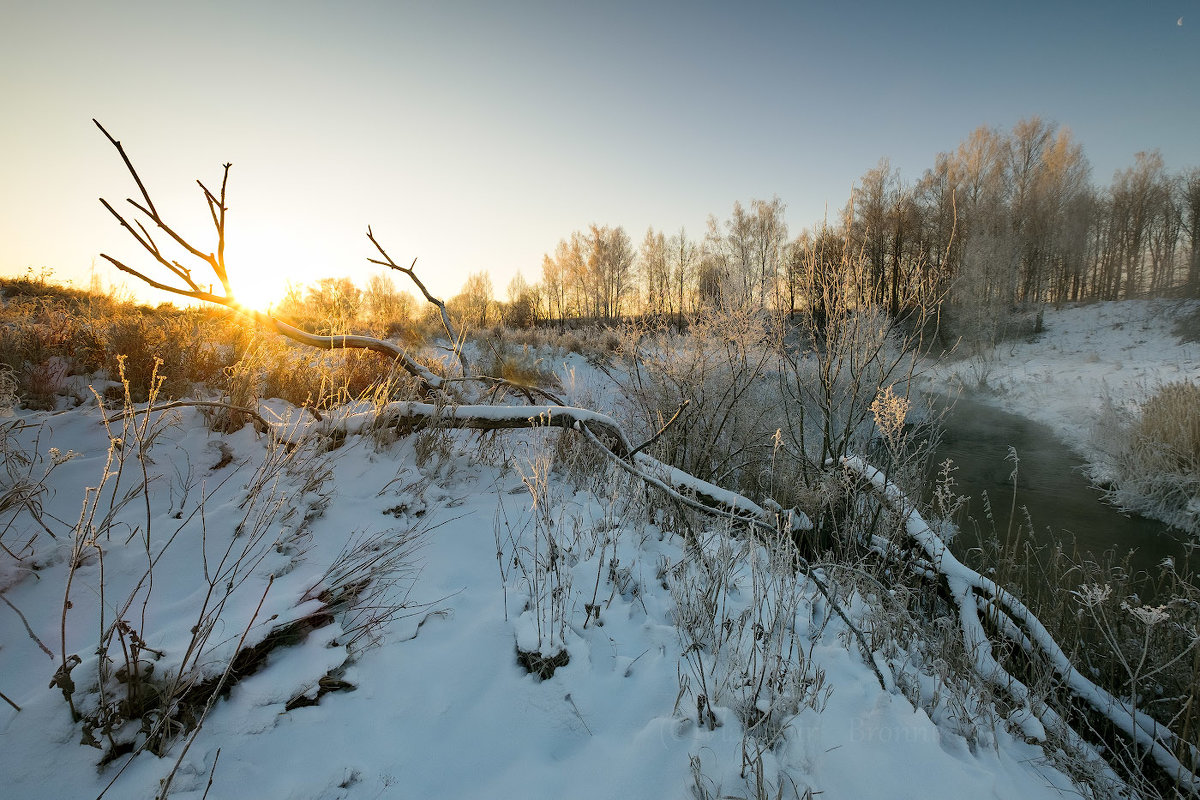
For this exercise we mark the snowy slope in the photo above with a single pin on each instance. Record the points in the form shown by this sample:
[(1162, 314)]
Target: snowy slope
[(441, 707)]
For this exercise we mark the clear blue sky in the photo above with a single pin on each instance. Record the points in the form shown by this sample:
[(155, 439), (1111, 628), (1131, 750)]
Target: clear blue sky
[(476, 134)]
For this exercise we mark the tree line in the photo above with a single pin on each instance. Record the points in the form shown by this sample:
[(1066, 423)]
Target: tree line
[(1005, 219)]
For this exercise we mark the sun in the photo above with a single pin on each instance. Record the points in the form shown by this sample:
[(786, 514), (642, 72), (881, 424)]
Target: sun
[(258, 293), (254, 263)]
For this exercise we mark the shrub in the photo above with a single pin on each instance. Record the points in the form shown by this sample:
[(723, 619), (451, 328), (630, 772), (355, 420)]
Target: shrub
[(520, 367), (720, 370), (1157, 460)]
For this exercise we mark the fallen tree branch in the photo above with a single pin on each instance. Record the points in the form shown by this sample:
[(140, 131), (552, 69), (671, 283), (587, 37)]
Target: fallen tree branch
[(530, 392), (28, 629), (798, 521), (263, 425), (968, 589)]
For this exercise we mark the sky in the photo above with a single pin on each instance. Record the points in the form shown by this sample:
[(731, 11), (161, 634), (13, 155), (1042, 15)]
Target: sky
[(475, 135)]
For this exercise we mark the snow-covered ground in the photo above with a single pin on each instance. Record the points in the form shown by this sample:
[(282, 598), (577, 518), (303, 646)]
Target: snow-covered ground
[(1086, 357), (440, 705)]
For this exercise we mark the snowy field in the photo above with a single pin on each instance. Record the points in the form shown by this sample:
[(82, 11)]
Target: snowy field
[(1089, 360), (235, 539)]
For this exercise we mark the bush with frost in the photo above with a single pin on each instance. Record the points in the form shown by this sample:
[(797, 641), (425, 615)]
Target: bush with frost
[(1156, 458)]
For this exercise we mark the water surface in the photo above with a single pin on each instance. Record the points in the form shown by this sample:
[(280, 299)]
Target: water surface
[(1050, 483)]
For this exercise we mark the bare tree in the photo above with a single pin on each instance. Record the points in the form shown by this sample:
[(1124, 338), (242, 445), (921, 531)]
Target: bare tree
[(335, 301), (554, 288), (867, 213), (1137, 197), (656, 273), (384, 303), (682, 253), (747, 253), (474, 302), (1190, 203), (564, 276), (521, 310), (610, 267)]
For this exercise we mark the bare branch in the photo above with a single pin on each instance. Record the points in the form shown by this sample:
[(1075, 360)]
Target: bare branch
[(661, 430), (28, 629), (128, 165), (530, 392), (212, 203), (455, 339), (221, 231), (196, 294), (347, 341), (184, 243), (261, 425)]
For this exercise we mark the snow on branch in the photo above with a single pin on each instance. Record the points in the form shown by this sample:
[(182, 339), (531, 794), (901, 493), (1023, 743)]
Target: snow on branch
[(970, 590)]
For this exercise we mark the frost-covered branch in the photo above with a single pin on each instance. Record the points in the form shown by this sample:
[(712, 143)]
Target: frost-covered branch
[(969, 589)]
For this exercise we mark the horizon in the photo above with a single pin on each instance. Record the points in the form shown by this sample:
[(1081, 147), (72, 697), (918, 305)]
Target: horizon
[(474, 137)]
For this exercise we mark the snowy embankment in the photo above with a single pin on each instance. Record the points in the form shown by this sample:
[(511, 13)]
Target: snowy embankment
[(1089, 362), (435, 704)]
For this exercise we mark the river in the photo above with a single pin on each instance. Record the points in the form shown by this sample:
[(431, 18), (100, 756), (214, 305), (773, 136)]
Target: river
[(1050, 483)]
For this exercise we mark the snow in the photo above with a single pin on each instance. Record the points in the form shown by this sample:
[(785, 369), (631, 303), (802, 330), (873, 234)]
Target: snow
[(1087, 356), (441, 707)]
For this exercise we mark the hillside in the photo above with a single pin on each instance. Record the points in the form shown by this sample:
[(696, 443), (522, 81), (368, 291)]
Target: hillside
[(434, 703)]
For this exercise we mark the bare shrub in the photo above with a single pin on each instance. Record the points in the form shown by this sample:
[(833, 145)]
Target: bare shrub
[(739, 605), (713, 378), (534, 549)]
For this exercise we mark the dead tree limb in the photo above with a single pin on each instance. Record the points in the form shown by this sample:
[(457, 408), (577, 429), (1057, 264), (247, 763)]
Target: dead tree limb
[(456, 339), (1016, 622), (260, 423), (663, 429), (188, 286)]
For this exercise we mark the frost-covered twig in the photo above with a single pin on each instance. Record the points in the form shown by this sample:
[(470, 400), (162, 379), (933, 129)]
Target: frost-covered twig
[(250, 412)]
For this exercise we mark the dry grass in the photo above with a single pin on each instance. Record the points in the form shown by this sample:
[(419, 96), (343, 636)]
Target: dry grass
[(49, 334), (1170, 426), (1157, 459), (1133, 633), (521, 367)]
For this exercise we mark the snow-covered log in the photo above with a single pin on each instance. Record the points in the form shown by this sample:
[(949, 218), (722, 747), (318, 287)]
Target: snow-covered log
[(601, 429), (969, 590)]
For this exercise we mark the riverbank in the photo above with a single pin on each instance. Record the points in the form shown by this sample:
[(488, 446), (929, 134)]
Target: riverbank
[(1091, 367)]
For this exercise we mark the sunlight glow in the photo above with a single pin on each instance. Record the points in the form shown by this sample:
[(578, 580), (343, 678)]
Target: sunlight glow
[(263, 258), (257, 292)]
